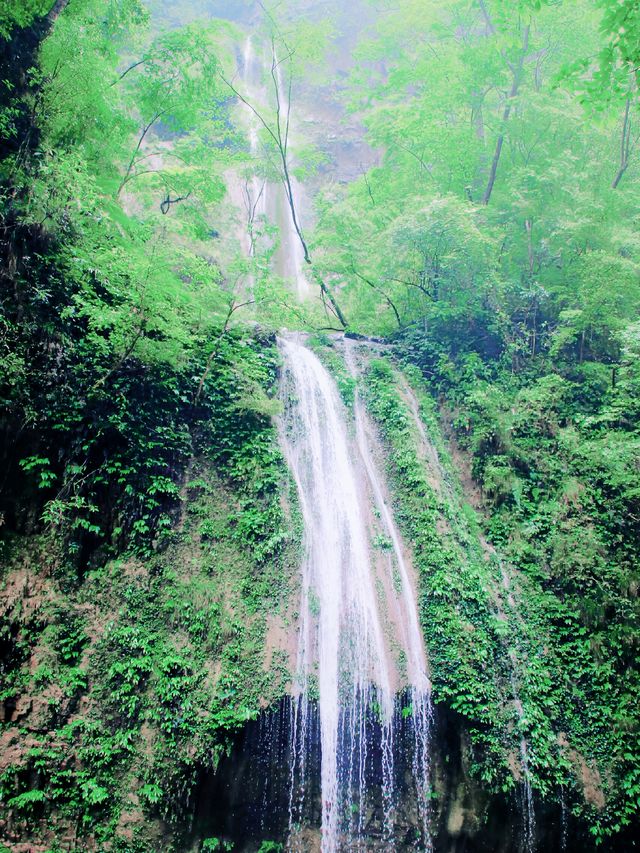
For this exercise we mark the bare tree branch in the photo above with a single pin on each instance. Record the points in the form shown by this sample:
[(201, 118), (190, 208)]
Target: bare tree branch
[(251, 206), (233, 307), (132, 162), (279, 133), (127, 70), (516, 71), (625, 144), (378, 289), (418, 157), (168, 201)]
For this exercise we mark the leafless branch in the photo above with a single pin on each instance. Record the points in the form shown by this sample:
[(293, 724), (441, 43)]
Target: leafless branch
[(127, 70)]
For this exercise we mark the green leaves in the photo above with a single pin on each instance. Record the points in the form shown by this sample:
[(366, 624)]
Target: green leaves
[(41, 467), (21, 13), (151, 793), (26, 801), (548, 639)]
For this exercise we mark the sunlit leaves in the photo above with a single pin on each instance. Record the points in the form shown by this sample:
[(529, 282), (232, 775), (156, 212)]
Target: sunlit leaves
[(21, 13)]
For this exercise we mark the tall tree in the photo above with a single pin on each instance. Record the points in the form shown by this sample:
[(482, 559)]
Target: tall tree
[(278, 130)]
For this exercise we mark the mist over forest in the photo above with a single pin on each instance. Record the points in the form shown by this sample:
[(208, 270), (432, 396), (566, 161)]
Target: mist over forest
[(319, 421)]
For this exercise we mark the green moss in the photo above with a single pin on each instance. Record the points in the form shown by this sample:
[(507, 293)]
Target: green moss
[(164, 648), (488, 643)]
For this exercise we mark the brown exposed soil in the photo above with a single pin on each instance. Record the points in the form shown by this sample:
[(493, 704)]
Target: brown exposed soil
[(589, 776), (281, 636), (461, 462), (515, 765)]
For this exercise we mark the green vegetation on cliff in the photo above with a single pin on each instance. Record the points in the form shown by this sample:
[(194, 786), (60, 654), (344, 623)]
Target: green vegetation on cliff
[(495, 242), (514, 654), (147, 517), (148, 525)]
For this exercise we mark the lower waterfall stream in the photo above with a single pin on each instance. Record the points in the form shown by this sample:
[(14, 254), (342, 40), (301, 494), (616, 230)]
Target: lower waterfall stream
[(361, 669)]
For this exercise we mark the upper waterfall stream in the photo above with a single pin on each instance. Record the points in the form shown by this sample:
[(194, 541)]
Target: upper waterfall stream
[(360, 659), (264, 200)]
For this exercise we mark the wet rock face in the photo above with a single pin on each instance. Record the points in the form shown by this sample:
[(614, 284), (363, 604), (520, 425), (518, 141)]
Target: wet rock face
[(469, 820), (248, 801)]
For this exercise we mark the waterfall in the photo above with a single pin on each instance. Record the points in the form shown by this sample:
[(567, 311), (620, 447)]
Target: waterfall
[(261, 199), (527, 807), (361, 669), (413, 643), (256, 190), (293, 253)]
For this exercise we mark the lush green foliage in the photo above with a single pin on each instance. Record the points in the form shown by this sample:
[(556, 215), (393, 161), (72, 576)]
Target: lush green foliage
[(540, 664), (113, 332), (141, 650), (146, 672), (495, 240)]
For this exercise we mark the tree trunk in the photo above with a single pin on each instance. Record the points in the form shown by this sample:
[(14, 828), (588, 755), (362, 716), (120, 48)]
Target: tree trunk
[(625, 144), (517, 79), (56, 10), (477, 119), (279, 133), (326, 294), (528, 224)]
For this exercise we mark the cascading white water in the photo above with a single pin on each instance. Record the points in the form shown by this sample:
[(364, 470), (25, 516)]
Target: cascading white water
[(358, 618), (256, 190), (262, 199), (340, 625), (527, 806), (413, 643), (293, 253)]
